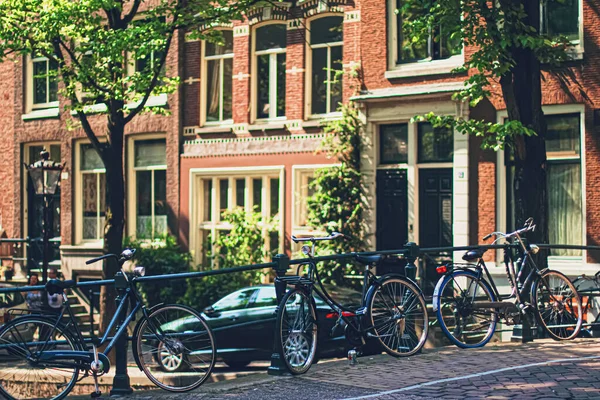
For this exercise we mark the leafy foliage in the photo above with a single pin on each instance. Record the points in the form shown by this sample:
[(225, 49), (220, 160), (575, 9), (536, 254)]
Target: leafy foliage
[(243, 245), (498, 32), (338, 202), (161, 257)]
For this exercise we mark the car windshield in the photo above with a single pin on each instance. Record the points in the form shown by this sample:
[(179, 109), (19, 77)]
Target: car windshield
[(10, 299), (234, 301)]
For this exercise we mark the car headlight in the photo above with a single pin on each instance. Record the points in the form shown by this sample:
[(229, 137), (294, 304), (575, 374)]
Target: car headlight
[(534, 249)]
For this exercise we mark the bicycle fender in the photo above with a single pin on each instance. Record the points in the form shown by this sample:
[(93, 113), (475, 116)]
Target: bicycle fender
[(436, 292)]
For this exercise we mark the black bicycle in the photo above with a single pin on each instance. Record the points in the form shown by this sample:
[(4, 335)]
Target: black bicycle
[(44, 356), (392, 310), (468, 307)]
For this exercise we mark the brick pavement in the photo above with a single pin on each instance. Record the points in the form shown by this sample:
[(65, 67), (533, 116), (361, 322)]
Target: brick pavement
[(447, 373)]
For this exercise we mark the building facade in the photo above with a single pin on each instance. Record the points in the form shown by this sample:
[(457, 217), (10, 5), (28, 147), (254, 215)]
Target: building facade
[(246, 126)]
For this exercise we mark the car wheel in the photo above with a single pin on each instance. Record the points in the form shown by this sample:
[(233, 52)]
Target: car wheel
[(237, 363), (169, 362)]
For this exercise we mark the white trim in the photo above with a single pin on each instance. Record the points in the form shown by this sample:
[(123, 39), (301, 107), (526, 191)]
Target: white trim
[(501, 223), (132, 178), (417, 68), (41, 114), (308, 67), (576, 52), (196, 197), (204, 85)]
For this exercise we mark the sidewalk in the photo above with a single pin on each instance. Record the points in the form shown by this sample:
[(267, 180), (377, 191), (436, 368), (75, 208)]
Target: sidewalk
[(540, 370)]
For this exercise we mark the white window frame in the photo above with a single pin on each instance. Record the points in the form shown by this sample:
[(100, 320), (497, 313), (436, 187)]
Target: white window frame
[(564, 263), (204, 87), (132, 186), (79, 197), (197, 195), (576, 52), (30, 95), (417, 68), (273, 69), (309, 50)]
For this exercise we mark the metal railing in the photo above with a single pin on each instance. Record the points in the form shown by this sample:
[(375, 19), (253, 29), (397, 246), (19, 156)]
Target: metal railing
[(280, 265)]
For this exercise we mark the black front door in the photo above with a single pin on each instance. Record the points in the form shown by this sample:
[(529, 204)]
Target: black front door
[(392, 209), (435, 219)]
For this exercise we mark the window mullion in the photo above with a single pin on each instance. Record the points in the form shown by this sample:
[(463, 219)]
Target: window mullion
[(273, 85), (328, 101), (221, 87)]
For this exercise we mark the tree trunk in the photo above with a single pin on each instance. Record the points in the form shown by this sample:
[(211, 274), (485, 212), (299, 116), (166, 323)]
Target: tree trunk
[(115, 218), (522, 91)]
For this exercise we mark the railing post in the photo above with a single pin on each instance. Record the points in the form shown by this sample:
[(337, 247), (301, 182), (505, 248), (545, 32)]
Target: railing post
[(121, 384), (282, 263), (522, 332), (411, 255)]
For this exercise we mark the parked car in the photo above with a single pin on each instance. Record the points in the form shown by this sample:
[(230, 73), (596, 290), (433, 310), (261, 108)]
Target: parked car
[(243, 323)]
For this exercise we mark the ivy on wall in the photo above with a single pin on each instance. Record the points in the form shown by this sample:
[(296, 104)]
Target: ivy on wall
[(338, 203)]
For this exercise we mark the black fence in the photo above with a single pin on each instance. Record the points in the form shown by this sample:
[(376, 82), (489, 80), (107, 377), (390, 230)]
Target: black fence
[(398, 261)]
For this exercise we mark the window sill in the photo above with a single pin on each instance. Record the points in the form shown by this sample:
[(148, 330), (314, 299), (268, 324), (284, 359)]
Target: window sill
[(321, 118), (153, 101), (207, 129), (437, 67), (41, 114)]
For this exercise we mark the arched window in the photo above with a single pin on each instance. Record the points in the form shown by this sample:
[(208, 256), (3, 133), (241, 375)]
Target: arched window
[(269, 52), (326, 45), (218, 76)]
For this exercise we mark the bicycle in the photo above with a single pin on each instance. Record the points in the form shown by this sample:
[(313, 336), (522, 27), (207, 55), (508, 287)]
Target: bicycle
[(468, 307), (44, 356), (392, 310), (588, 288)]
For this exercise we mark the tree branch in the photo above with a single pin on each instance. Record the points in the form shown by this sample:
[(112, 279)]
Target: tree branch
[(73, 58), (132, 13)]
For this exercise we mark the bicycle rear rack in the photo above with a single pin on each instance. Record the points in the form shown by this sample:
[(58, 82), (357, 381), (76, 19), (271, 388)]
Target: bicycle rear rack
[(295, 280)]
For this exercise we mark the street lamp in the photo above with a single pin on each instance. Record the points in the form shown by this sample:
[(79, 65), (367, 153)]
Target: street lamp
[(45, 175)]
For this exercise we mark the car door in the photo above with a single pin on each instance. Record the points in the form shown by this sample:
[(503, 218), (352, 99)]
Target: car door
[(227, 319), (260, 327)]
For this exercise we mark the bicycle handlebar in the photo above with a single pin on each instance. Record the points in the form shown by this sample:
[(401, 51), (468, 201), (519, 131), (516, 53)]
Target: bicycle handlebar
[(333, 235), (529, 226), (127, 254)]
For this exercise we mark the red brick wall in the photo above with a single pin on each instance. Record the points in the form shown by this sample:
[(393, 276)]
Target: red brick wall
[(295, 81), (191, 83), (241, 76)]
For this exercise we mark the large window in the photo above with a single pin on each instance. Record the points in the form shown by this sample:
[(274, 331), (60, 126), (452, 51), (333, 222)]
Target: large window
[(44, 83), (561, 18), (258, 191), (438, 45), (326, 41), (218, 59), (269, 50), (150, 166), (92, 190), (564, 183)]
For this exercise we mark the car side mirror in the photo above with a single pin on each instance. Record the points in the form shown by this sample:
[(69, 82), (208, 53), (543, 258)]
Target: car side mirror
[(211, 312)]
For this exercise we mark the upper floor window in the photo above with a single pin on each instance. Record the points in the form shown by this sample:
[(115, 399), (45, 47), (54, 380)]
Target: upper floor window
[(218, 59), (561, 18), (44, 83), (269, 50), (326, 45), (438, 45)]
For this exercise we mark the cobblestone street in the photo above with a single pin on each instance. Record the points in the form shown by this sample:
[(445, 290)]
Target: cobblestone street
[(540, 370)]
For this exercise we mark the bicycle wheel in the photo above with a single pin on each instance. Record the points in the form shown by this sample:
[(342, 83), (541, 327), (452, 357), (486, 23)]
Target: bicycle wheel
[(398, 316), (453, 300), (22, 375), (296, 331), (558, 305), (175, 348)]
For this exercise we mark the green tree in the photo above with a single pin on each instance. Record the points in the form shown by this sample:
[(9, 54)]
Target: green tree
[(509, 49), (96, 44), (244, 244), (338, 202)]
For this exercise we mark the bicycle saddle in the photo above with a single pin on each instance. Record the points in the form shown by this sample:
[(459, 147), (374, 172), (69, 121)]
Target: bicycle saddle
[(368, 260), (56, 286), (474, 255)]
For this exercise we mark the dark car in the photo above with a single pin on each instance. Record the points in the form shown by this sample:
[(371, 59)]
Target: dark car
[(243, 323)]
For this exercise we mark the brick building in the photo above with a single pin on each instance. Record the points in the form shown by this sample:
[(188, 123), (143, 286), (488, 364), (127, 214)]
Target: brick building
[(245, 125)]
